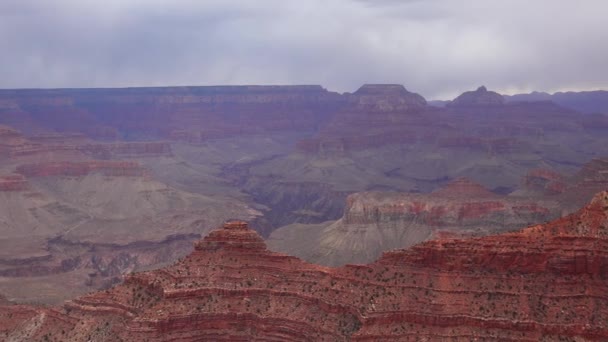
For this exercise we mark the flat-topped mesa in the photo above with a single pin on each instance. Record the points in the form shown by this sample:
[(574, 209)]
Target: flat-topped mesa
[(479, 97), (77, 169), (463, 188), (232, 236), (13, 182), (386, 97)]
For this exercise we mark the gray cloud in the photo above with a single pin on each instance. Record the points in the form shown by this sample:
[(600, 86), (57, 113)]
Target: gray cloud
[(436, 47)]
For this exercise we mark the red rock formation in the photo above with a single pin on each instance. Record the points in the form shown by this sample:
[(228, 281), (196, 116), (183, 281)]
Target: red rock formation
[(458, 204), (546, 282), (77, 169), (374, 222)]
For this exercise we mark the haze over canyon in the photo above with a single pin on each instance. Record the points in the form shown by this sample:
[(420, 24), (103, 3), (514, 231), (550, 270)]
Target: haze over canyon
[(299, 213)]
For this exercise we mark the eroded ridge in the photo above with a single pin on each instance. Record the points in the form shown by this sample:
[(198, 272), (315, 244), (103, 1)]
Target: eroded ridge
[(543, 283)]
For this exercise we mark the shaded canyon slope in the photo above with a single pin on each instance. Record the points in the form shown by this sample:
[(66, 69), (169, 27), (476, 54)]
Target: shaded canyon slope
[(543, 283)]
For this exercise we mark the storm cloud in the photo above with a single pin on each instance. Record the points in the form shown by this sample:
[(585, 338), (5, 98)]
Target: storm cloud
[(438, 48)]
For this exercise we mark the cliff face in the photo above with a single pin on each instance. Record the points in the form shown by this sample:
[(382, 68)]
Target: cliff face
[(375, 115), (192, 114), (382, 137), (546, 282), (374, 222)]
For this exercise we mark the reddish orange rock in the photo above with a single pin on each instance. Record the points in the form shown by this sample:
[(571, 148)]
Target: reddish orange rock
[(543, 283)]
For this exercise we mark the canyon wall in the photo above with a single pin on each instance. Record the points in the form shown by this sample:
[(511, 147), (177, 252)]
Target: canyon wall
[(543, 283), (374, 222)]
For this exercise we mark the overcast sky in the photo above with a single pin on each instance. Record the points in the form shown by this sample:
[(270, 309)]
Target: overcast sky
[(438, 48)]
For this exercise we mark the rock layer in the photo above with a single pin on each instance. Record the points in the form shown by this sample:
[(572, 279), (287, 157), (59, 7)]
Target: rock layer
[(374, 222), (76, 169), (13, 182), (546, 282)]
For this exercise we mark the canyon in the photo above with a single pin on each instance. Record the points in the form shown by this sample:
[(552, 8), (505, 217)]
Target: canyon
[(375, 222), (98, 183), (546, 282)]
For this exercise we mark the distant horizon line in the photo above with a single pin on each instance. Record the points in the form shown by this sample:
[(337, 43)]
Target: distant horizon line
[(290, 85)]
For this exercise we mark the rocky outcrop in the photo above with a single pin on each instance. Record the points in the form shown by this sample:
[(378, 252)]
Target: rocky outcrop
[(545, 282), (77, 169), (479, 97), (235, 235)]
